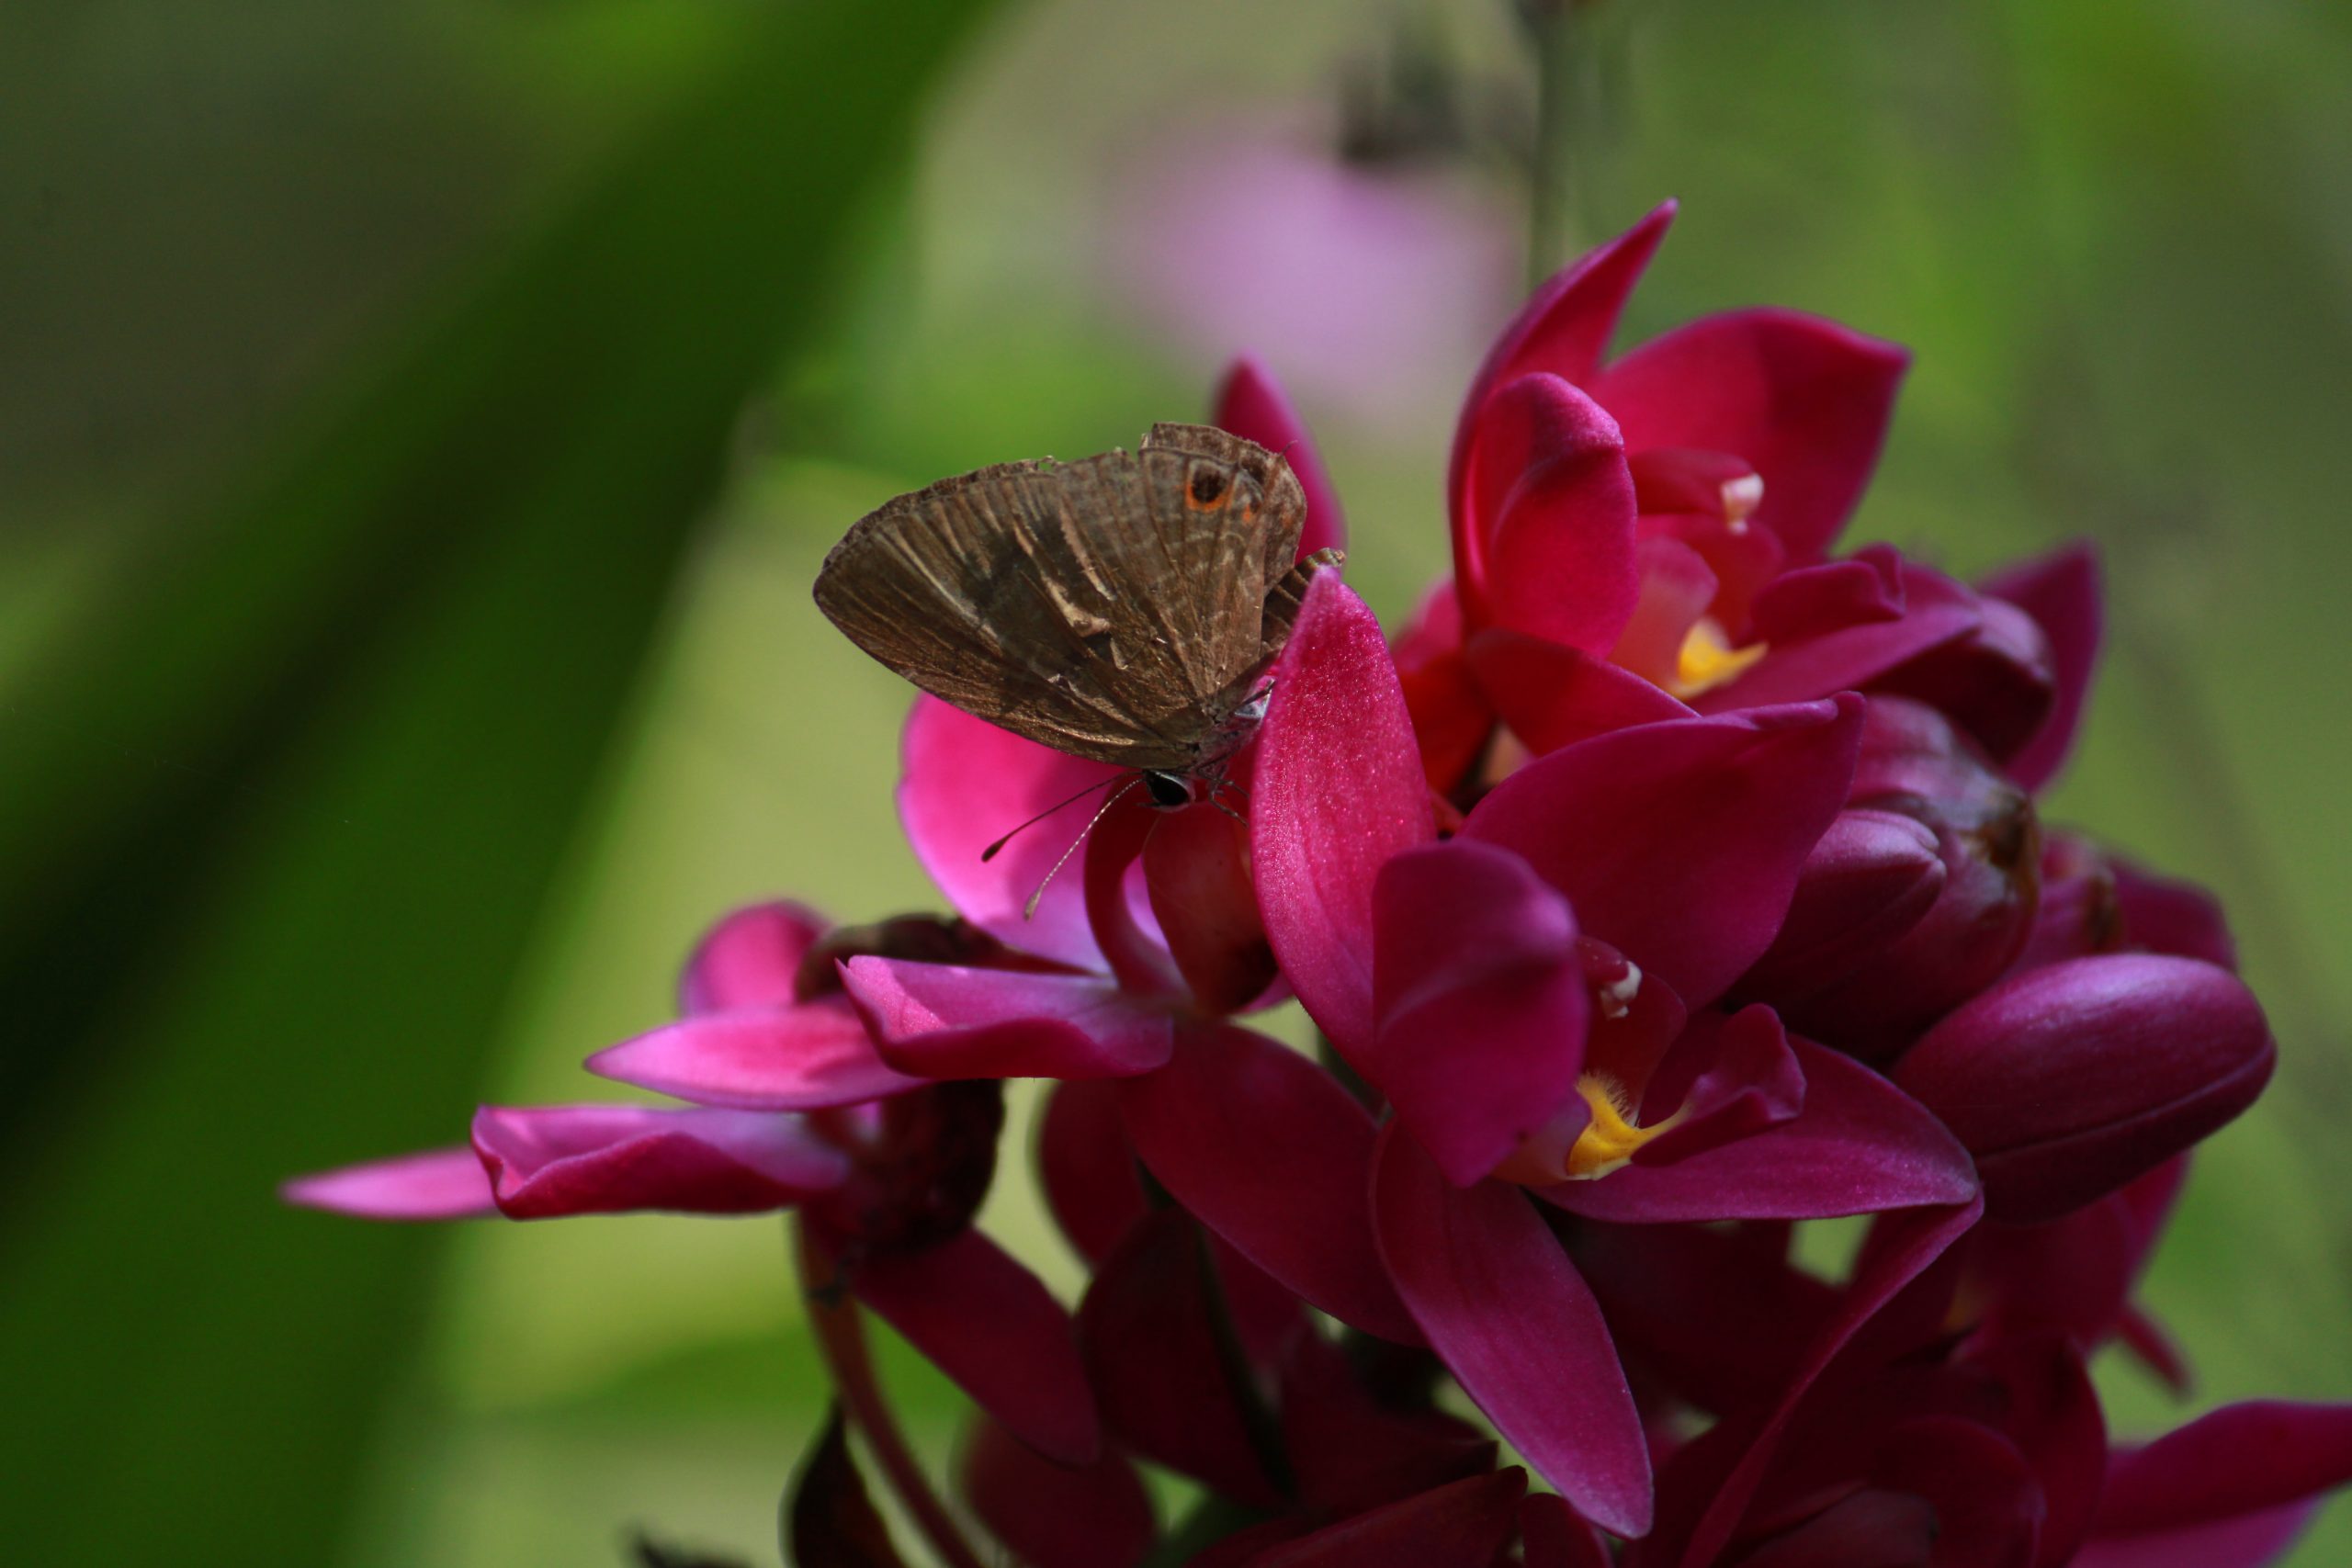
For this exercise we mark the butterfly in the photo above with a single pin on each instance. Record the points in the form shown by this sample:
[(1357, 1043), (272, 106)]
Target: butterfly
[(1125, 608)]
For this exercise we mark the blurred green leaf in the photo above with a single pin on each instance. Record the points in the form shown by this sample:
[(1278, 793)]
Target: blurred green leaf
[(285, 811)]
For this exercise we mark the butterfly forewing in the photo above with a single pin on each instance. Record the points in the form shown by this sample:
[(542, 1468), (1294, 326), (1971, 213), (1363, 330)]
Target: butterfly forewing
[(1110, 608)]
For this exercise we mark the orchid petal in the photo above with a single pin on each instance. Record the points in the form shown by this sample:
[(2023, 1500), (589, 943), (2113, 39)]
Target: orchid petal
[(1503, 1307), (547, 1161), (1352, 1451), (947, 1020), (1252, 405), (750, 958), (1860, 1147), (2229, 1491), (1052, 1515), (983, 1319), (438, 1184), (2061, 592), (1272, 1155), (964, 783), (1805, 401), (1555, 1538), (1482, 1003), (1548, 548), (1087, 1167), (1680, 843), (779, 1058), (1553, 696), (1463, 1523), (1562, 329), (1338, 790)]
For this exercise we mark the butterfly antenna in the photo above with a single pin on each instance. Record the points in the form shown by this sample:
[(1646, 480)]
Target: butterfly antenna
[(1029, 910), (990, 853)]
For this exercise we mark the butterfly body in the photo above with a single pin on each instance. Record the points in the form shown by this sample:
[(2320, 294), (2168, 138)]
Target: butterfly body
[(1125, 608)]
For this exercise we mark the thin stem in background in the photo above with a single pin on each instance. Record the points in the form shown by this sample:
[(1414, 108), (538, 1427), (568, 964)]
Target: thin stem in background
[(840, 1339)]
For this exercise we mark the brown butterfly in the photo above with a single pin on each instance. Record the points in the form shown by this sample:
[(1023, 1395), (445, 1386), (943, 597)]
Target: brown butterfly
[(1125, 608)]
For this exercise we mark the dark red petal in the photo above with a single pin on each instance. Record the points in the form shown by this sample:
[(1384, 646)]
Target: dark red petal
[(1251, 404), (1502, 1305), (1087, 1167), (1936, 611), (947, 1020), (1053, 1516), (1151, 1350), (2243, 1459), (1679, 843), (1804, 400), (1464, 1523), (1483, 1002), (1338, 789), (1274, 1156), (1555, 1538), (1550, 546), (2061, 592), (1353, 1452), (749, 958), (983, 1319)]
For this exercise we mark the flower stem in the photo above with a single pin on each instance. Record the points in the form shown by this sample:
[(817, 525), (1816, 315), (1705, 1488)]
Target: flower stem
[(840, 1339), (1575, 71)]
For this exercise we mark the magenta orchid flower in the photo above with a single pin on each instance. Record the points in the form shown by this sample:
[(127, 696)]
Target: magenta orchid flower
[(885, 1187)]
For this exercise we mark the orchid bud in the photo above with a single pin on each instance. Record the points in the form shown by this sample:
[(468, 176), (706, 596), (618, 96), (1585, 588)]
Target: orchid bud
[(1914, 764), (1998, 682), (1869, 879), (2067, 1082)]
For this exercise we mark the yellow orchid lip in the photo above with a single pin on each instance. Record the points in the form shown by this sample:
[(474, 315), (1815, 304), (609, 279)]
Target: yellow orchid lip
[(1605, 1143), (1707, 660)]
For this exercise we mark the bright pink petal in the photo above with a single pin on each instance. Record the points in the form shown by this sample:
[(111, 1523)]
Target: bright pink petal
[(1464, 1523), (983, 1319), (965, 784), (440, 1184), (1251, 404), (1503, 1307), (1679, 843), (1087, 1167), (1272, 1155), (1562, 330), (547, 1161), (1054, 1516), (1549, 548), (780, 1058), (1482, 1003), (1553, 696), (1196, 866), (2061, 592), (947, 1020), (1338, 790), (1804, 400), (750, 958), (1862, 1145), (1555, 1538)]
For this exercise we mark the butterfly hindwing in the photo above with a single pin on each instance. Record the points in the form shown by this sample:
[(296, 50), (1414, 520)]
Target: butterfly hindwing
[(1106, 608)]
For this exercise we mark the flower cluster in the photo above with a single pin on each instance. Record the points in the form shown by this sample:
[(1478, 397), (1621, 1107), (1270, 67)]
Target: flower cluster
[(1672, 879)]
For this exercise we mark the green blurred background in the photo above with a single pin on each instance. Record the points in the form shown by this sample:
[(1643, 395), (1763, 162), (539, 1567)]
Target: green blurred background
[(420, 422)]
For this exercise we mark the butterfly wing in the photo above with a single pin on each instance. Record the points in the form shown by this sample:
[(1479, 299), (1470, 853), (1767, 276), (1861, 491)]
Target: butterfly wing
[(1101, 607)]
